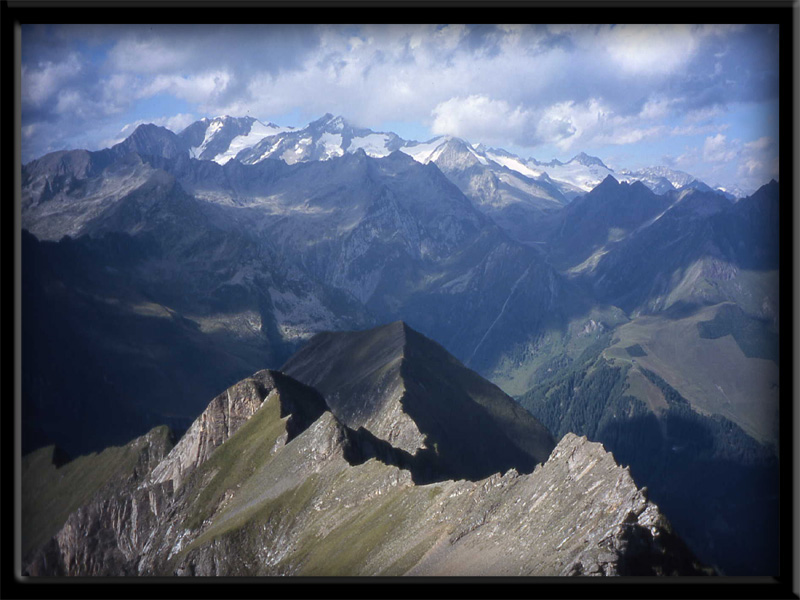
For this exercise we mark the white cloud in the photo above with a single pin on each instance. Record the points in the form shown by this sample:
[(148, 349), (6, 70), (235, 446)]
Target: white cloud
[(570, 124), (449, 36), (722, 29), (649, 49), (482, 118), (629, 135), (41, 82), (28, 131), (151, 55), (657, 49), (658, 108), (179, 122), (723, 161), (691, 130), (69, 102), (761, 143), (565, 123), (718, 149), (704, 114), (402, 70), (81, 106), (204, 87), (759, 160)]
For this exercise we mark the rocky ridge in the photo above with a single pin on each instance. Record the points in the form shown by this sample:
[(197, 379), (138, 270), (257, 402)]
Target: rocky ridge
[(269, 482)]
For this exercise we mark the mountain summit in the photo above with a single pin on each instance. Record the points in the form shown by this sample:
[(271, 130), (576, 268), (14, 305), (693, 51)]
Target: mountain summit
[(410, 392), (222, 138), (587, 161), (327, 137), (248, 140), (152, 140)]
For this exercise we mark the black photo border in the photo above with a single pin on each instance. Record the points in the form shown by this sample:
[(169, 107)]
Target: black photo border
[(15, 13)]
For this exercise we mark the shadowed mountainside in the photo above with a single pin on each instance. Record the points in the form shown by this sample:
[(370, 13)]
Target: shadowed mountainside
[(408, 391)]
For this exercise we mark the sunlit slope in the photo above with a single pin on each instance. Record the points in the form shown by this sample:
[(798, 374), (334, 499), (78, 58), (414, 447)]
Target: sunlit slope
[(713, 373)]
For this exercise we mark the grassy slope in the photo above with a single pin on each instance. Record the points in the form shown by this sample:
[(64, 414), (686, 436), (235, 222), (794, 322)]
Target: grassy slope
[(274, 494), (714, 375), (345, 538), (233, 462)]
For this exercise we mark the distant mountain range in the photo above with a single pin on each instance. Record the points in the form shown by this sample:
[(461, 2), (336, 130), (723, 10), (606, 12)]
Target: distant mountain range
[(174, 265), (515, 192), (249, 140)]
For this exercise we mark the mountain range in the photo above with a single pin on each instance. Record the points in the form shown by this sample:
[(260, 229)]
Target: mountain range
[(613, 305), (249, 141)]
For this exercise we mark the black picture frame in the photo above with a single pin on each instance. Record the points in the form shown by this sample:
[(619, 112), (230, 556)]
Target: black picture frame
[(13, 14)]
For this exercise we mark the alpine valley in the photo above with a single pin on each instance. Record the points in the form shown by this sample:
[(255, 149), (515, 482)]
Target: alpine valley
[(259, 350)]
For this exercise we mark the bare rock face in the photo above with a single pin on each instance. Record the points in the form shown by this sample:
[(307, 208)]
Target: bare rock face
[(267, 481), (228, 412), (223, 417), (128, 520), (102, 535)]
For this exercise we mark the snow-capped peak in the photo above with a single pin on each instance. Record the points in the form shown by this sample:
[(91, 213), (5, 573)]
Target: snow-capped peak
[(587, 161), (221, 138), (225, 137), (435, 148), (329, 122), (337, 123)]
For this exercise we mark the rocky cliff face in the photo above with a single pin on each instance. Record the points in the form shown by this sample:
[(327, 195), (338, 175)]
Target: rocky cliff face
[(105, 531), (228, 412), (267, 481), (517, 203)]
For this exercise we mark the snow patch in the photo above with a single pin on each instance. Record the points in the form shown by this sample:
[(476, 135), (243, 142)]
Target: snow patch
[(373, 144), (423, 152), (514, 164), (258, 132), (331, 145)]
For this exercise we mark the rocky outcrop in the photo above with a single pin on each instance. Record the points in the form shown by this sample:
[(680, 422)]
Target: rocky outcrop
[(151, 140), (229, 411), (578, 514)]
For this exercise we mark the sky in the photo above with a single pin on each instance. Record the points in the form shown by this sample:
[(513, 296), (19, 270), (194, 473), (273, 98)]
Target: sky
[(697, 98)]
